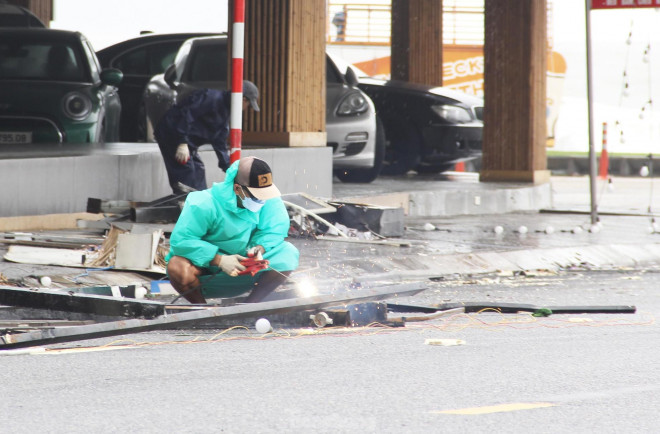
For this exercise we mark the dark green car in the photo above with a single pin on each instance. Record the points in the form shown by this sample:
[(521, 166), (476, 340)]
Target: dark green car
[(52, 89)]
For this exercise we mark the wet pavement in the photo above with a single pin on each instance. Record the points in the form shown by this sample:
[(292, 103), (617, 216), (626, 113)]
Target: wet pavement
[(554, 238), (551, 238)]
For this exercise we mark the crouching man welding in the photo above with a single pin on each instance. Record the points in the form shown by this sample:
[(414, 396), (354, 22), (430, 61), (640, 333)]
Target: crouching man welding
[(225, 235)]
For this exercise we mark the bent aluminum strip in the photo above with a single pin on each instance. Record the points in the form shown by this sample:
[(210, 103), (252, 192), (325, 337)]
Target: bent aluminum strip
[(93, 331)]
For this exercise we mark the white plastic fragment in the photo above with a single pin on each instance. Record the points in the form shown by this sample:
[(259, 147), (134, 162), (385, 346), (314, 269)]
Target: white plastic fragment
[(444, 342)]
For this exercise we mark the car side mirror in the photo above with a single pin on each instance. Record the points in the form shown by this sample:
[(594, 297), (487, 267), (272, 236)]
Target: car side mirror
[(111, 76), (351, 78), (170, 75)]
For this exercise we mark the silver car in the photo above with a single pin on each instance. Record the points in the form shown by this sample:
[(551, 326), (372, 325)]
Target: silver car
[(351, 124)]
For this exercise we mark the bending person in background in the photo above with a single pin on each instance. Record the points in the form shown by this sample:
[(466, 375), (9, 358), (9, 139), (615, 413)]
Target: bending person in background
[(202, 117)]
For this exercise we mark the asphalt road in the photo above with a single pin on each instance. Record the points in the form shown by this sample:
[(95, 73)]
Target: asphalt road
[(514, 372)]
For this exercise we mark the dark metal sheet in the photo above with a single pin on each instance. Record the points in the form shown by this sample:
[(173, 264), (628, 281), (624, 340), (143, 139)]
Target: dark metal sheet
[(68, 334), (76, 301)]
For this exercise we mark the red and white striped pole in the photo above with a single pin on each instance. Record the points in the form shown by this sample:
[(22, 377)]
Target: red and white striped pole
[(237, 49), (604, 158)]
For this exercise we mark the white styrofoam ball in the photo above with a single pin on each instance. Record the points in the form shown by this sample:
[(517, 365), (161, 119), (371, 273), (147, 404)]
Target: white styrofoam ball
[(45, 281), (644, 171), (595, 228), (429, 227), (549, 230), (577, 230), (522, 229), (263, 325), (140, 292), (498, 229)]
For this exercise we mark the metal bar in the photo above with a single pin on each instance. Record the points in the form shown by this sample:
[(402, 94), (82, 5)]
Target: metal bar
[(94, 331), (34, 323), (509, 308), (590, 102)]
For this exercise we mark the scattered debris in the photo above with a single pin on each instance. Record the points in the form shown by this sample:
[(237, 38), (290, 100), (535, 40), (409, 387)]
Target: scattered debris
[(143, 252), (344, 221), (13, 339)]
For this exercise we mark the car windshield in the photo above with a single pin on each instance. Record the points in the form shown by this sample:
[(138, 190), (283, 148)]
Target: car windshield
[(41, 61)]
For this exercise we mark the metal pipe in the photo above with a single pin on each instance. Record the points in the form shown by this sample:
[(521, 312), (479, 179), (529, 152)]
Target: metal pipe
[(592, 152)]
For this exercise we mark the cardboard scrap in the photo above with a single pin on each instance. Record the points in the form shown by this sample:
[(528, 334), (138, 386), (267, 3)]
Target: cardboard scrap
[(45, 222)]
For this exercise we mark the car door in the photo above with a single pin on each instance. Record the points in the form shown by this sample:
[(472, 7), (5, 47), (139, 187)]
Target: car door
[(111, 107)]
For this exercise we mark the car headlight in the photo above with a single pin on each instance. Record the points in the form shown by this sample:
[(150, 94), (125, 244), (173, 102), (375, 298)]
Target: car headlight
[(452, 113), (352, 104), (76, 106)]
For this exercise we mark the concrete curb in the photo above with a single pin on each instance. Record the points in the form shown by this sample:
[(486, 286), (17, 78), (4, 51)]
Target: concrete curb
[(443, 198), (553, 259)]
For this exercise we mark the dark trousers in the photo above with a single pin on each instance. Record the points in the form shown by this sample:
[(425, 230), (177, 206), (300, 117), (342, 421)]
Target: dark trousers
[(192, 174)]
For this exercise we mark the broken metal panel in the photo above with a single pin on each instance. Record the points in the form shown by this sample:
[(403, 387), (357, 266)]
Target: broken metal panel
[(385, 221), (93, 331), (136, 251), (75, 300), (50, 256), (96, 206), (171, 199), (309, 203), (163, 213)]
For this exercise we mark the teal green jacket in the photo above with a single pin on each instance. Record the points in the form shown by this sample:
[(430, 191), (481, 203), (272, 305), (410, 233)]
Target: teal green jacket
[(211, 222)]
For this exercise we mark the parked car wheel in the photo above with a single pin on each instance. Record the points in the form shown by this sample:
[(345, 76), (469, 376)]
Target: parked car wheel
[(367, 175), (402, 152)]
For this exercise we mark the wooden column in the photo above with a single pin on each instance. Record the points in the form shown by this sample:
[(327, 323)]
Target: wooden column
[(417, 41), (285, 58), (43, 9), (515, 91)]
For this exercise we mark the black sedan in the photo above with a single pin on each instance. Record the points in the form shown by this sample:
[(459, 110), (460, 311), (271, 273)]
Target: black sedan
[(428, 129), (140, 59)]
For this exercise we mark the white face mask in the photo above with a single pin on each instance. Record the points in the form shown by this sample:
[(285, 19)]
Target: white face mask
[(253, 205)]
